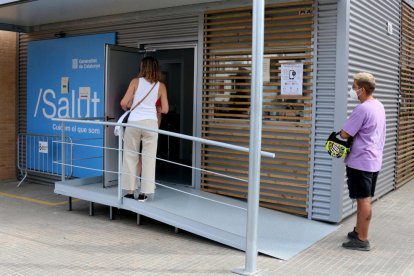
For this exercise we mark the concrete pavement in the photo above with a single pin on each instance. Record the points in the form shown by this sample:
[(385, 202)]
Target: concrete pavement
[(39, 236)]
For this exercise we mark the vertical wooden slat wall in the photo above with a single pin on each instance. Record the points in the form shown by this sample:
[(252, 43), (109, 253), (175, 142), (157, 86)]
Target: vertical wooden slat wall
[(405, 146), (287, 120)]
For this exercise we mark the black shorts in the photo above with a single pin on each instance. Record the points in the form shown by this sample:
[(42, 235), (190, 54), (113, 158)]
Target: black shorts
[(361, 184)]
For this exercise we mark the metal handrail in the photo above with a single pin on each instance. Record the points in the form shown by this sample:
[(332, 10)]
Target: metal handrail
[(254, 166), (120, 138), (170, 133)]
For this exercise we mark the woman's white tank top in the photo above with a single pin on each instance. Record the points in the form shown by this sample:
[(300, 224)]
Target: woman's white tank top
[(146, 110)]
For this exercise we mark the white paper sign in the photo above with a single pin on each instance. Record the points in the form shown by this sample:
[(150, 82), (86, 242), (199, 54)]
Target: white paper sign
[(43, 147), (292, 79), (64, 83), (84, 93), (266, 69)]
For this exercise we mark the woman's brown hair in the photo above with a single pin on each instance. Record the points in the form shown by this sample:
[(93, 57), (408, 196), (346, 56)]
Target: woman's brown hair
[(150, 69)]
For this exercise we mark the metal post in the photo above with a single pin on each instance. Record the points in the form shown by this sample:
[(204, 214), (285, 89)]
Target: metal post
[(91, 208), (63, 161), (111, 213), (120, 147), (255, 138), (70, 203), (63, 151)]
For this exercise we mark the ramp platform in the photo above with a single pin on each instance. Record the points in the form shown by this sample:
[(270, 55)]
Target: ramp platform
[(215, 217)]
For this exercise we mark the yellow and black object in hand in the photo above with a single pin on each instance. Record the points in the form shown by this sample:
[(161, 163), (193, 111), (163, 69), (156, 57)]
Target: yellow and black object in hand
[(336, 147)]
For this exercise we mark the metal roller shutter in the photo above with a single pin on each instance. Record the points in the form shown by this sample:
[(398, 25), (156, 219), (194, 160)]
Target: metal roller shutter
[(326, 43), (373, 50)]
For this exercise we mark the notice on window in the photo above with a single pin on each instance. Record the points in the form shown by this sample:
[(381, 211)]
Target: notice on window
[(292, 79), (266, 69)]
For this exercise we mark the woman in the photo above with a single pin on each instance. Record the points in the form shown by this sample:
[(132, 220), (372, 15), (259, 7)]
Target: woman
[(142, 93)]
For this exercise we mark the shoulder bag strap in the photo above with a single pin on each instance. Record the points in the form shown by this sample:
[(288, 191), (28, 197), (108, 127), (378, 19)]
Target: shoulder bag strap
[(138, 103)]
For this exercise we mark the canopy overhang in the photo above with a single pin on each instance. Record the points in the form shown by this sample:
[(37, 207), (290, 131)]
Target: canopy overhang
[(23, 15)]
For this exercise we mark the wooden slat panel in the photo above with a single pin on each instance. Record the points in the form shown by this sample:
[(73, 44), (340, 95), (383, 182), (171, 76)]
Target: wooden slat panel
[(405, 140), (265, 188), (231, 10), (245, 160), (226, 103)]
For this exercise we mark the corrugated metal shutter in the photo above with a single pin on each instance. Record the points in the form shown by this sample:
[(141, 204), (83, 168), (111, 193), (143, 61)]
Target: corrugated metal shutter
[(405, 149), (373, 50), (320, 193), (131, 29)]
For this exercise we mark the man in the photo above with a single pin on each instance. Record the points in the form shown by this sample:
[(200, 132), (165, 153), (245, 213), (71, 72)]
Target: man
[(367, 126)]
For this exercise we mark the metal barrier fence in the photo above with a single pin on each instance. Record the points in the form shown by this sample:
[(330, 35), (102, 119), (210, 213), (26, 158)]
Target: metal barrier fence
[(41, 153)]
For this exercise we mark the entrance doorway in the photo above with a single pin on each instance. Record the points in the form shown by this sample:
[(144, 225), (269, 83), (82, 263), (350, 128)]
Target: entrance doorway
[(177, 67)]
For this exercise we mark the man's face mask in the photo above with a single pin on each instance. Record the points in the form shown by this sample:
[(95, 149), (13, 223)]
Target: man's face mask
[(354, 94)]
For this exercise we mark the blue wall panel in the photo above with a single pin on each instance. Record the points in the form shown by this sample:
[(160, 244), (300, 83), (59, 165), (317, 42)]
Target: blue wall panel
[(82, 60)]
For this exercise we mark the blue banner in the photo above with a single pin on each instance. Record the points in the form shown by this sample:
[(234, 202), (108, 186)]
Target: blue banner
[(65, 79)]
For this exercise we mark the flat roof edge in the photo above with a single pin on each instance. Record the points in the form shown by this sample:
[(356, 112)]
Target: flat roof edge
[(15, 28)]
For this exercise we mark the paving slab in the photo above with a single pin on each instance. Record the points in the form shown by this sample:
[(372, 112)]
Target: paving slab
[(41, 239)]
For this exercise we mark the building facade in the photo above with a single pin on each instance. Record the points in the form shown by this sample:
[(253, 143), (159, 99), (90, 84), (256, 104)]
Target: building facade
[(328, 40)]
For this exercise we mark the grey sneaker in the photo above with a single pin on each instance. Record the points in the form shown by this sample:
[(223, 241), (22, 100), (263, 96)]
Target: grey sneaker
[(353, 234), (357, 244)]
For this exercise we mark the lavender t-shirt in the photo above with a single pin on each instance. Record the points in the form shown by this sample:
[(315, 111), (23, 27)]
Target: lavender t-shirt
[(367, 125)]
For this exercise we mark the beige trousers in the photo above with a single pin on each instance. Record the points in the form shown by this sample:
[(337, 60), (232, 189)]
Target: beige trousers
[(132, 139)]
